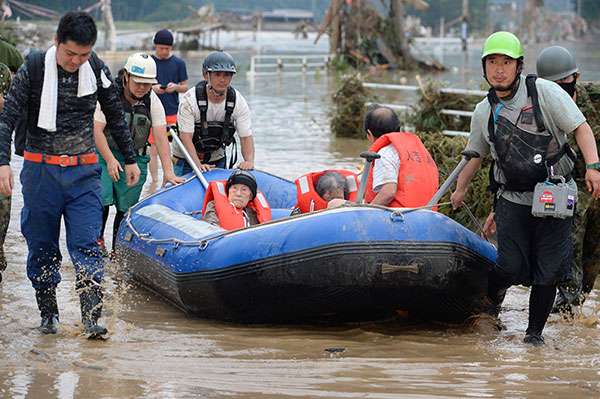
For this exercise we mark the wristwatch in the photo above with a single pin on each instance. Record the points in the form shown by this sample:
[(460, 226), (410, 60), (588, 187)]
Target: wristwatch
[(595, 165)]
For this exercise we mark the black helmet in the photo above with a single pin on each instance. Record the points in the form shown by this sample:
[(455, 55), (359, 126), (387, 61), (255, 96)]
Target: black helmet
[(218, 61), (242, 177)]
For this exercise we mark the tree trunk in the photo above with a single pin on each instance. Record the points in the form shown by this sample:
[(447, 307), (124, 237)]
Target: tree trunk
[(398, 42), (110, 32), (336, 32)]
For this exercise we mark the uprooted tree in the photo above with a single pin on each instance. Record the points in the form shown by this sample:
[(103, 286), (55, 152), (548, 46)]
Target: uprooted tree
[(363, 34)]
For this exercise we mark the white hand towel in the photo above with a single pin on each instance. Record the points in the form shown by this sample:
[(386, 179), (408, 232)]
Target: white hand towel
[(87, 85)]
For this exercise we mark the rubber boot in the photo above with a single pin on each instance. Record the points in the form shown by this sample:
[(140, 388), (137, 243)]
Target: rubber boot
[(541, 300), (497, 287), (46, 301), (90, 295)]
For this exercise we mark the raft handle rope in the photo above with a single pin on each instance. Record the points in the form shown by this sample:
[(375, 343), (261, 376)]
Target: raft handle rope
[(174, 241), (476, 222), (402, 211)]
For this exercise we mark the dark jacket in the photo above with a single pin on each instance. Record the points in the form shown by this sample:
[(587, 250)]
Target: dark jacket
[(74, 118)]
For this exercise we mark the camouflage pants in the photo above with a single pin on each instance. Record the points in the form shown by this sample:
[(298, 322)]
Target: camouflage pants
[(4, 219), (586, 259)]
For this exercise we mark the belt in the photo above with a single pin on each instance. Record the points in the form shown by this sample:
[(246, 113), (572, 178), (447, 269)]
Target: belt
[(62, 160)]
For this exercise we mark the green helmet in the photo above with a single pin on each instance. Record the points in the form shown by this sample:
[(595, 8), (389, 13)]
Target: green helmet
[(504, 43), (555, 63)]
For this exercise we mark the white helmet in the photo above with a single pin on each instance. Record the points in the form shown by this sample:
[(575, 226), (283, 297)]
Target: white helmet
[(142, 68)]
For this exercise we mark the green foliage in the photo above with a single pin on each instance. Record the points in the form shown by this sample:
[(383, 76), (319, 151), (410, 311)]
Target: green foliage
[(446, 151), (349, 107), (428, 115)]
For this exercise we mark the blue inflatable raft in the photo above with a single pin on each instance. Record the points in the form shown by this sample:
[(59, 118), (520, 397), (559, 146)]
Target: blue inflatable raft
[(347, 264)]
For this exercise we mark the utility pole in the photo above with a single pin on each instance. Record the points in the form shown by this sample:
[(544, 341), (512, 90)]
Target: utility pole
[(464, 25), (110, 32)]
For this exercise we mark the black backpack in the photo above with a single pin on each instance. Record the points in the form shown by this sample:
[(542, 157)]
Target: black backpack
[(35, 68)]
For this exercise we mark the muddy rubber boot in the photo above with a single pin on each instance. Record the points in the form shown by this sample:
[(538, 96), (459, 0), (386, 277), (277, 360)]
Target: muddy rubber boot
[(534, 339), (90, 295), (541, 300), (497, 287), (46, 301), (566, 299), (2, 262)]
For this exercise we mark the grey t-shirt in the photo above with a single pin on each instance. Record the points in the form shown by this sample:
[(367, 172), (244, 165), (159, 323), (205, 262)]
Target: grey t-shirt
[(561, 117)]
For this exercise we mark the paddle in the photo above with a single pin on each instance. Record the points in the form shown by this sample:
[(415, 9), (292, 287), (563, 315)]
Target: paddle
[(190, 161), (467, 156), (369, 158)]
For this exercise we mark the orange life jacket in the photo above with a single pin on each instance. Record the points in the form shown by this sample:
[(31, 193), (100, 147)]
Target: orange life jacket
[(306, 194), (230, 217), (418, 177)]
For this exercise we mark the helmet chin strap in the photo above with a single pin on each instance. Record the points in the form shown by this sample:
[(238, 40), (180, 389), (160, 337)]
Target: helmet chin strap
[(210, 87), (136, 98), (514, 85)]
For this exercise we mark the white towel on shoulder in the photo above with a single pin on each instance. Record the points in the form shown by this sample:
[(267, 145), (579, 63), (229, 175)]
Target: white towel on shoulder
[(48, 102)]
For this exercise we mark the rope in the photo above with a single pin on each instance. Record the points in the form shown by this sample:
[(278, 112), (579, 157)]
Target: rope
[(428, 206)]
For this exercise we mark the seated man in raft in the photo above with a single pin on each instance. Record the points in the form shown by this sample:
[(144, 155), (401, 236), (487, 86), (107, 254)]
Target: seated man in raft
[(405, 176), (315, 190), (235, 203)]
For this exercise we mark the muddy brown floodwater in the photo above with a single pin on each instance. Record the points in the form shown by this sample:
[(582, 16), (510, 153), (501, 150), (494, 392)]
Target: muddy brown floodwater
[(156, 351)]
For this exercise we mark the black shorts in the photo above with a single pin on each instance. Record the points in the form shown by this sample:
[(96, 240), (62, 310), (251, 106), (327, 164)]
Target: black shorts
[(532, 250)]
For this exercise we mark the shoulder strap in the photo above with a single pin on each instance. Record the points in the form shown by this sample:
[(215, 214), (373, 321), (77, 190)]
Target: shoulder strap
[(147, 100), (494, 101), (35, 68), (96, 64), (229, 107), (202, 101), (533, 94), (565, 148), (229, 104)]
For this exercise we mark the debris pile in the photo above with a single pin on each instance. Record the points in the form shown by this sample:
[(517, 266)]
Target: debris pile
[(349, 107), (428, 117)]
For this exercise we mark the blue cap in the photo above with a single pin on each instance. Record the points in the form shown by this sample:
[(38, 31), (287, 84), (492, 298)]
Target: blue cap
[(164, 37)]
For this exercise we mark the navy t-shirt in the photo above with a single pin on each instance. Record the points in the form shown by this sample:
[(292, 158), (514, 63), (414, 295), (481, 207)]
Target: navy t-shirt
[(170, 70)]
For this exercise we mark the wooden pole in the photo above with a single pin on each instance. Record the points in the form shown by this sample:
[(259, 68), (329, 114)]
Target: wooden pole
[(398, 15), (336, 32), (110, 31), (464, 28)]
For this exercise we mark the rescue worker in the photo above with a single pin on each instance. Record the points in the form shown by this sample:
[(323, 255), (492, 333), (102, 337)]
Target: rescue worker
[(315, 190), (5, 78), (209, 116), (406, 175), (523, 125), (143, 113), (236, 203), (10, 61), (172, 79), (558, 64), (61, 176)]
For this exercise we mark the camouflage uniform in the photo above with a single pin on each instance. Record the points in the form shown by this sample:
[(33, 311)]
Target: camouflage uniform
[(5, 78), (586, 260)]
